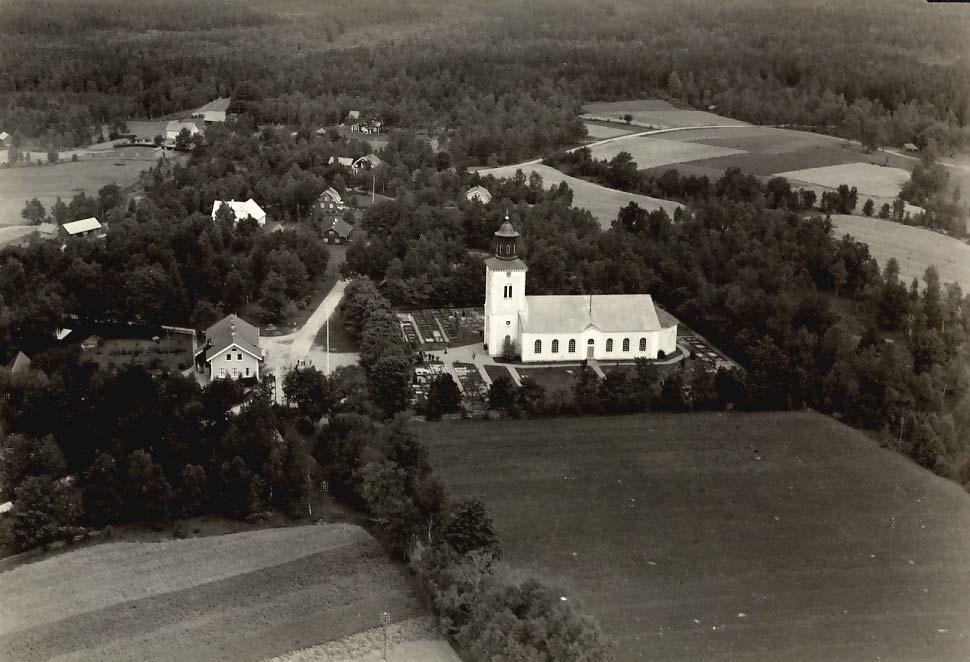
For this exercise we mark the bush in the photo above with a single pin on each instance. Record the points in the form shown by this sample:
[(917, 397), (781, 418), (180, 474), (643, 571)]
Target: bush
[(44, 511)]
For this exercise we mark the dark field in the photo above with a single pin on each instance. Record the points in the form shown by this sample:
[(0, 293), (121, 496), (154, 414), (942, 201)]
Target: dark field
[(773, 150), (666, 529)]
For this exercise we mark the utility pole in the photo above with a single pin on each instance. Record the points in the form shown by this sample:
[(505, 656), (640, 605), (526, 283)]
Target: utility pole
[(328, 346), (385, 621)]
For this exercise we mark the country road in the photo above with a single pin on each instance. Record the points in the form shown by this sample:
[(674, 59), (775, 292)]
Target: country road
[(282, 352)]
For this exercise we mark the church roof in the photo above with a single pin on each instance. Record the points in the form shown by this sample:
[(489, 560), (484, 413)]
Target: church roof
[(614, 313), (499, 264)]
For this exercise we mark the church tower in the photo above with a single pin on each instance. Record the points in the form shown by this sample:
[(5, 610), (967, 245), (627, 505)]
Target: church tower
[(504, 292)]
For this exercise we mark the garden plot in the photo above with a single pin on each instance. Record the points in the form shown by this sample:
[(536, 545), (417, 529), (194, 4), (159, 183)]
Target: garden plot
[(654, 152), (868, 178)]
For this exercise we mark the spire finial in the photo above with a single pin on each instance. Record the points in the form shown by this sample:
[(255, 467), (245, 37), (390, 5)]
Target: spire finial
[(507, 214)]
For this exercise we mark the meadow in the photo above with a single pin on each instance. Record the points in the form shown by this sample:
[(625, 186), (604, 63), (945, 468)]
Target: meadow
[(64, 180), (913, 247), (655, 113), (246, 596), (602, 202), (684, 546), (650, 152)]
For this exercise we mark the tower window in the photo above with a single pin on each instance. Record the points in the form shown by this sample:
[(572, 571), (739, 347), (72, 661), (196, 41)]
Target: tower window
[(555, 346), (626, 344), (572, 346), (643, 344), (538, 347), (609, 344)]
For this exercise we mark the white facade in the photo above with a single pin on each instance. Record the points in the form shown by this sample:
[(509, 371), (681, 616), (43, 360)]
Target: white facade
[(595, 344), (504, 300), (234, 362), (546, 329), (173, 128)]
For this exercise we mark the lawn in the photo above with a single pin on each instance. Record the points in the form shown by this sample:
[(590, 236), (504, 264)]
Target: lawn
[(551, 379), (602, 202), (172, 353), (47, 182), (496, 371), (914, 248), (247, 596), (684, 547)]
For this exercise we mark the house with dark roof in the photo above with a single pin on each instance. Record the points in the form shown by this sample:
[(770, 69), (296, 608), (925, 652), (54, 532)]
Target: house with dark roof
[(230, 350), (338, 232), (565, 327)]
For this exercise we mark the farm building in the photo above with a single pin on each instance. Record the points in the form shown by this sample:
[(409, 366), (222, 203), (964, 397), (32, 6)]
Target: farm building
[(345, 161), (910, 147), (338, 232), (91, 342), (82, 228), (353, 115), (214, 111), (18, 364), (367, 162), (332, 195), (174, 128), (47, 230), (366, 126), (4, 138), (230, 350), (564, 327), (241, 210), (479, 194)]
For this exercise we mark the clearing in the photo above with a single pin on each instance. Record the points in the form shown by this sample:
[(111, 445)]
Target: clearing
[(684, 547), (654, 113), (651, 152), (870, 179), (602, 202), (248, 596), (413, 640), (64, 180), (913, 247), (11, 233)]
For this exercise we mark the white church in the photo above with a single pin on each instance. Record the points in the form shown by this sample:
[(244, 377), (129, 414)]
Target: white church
[(568, 327)]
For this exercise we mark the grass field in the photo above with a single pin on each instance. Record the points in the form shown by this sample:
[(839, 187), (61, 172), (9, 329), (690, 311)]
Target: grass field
[(600, 130), (666, 529), (46, 183), (248, 596), (551, 379), (914, 248), (11, 233), (651, 152), (413, 640), (603, 203), (655, 113), (868, 178)]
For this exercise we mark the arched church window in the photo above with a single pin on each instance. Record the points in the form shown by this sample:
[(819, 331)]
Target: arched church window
[(572, 345), (626, 344), (609, 344), (589, 342), (643, 344), (538, 347), (555, 346)]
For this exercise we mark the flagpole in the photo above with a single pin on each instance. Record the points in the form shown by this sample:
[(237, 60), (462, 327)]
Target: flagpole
[(328, 346)]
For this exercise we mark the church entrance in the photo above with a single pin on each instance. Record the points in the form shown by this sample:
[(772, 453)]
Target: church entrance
[(589, 348)]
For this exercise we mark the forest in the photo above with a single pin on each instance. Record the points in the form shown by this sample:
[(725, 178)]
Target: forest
[(496, 82)]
